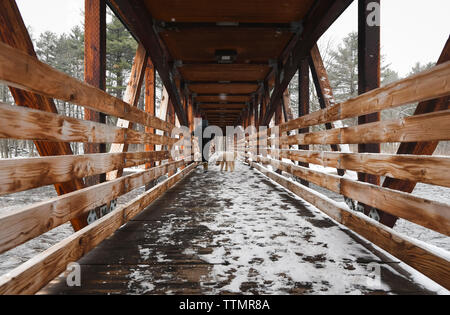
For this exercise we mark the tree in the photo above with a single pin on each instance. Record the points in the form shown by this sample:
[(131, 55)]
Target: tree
[(418, 67), (120, 51)]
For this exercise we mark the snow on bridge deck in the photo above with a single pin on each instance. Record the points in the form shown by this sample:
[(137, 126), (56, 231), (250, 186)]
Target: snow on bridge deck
[(221, 233)]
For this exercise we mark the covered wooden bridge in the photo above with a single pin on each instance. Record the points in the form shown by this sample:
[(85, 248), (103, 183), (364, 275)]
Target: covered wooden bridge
[(257, 230)]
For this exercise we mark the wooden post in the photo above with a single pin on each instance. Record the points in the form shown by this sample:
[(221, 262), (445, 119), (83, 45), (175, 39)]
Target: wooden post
[(369, 73), (14, 33), (303, 103), (287, 112), (256, 119), (132, 95), (95, 68), (190, 113), (150, 93), (279, 121), (324, 90), (170, 119)]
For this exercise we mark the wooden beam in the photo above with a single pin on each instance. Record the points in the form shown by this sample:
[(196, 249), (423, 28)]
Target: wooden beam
[(427, 127), (369, 58), (132, 95), (14, 33), (170, 117), (95, 68), (324, 91), (137, 19), (318, 20), (419, 148), (25, 72), (39, 125), (40, 270), (427, 85), (22, 174), (150, 102), (303, 103), (31, 221), (428, 213), (405, 167)]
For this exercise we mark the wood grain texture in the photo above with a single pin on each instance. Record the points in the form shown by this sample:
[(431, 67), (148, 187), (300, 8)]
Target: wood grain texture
[(20, 226), (425, 169), (22, 174), (95, 69), (430, 84), (427, 127), (132, 94), (37, 272), (418, 148), (422, 257), (29, 124), (22, 71), (14, 33), (428, 213), (255, 11)]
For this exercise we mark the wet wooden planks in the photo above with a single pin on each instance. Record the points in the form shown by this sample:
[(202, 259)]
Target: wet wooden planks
[(167, 249)]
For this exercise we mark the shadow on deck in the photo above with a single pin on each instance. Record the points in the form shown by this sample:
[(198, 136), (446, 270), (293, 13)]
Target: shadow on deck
[(235, 233)]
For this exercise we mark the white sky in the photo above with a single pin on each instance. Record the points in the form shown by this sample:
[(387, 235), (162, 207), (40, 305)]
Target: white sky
[(411, 30)]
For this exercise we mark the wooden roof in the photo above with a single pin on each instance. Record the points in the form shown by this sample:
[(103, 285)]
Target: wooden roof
[(190, 32), (251, 11)]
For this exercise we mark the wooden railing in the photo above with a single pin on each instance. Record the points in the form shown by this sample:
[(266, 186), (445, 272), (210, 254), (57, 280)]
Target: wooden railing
[(271, 147), (19, 70)]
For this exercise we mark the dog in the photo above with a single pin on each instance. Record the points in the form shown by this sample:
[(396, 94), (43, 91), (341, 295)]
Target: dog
[(226, 160)]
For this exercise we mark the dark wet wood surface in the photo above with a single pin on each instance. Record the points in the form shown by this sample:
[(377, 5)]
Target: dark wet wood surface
[(222, 233)]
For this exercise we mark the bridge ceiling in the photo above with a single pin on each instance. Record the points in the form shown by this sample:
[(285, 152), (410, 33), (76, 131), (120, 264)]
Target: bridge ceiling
[(253, 34)]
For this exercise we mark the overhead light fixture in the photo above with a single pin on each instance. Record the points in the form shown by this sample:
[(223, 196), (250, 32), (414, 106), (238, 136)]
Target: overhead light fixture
[(227, 23), (226, 56)]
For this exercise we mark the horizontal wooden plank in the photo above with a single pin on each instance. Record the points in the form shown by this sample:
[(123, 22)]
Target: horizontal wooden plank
[(430, 84), (428, 213), (20, 226), (224, 72), (31, 276), (29, 124), (17, 69), (427, 127), (433, 264), (417, 168), (23, 174)]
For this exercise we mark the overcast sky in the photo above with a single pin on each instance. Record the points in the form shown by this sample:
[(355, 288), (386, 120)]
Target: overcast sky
[(411, 30)]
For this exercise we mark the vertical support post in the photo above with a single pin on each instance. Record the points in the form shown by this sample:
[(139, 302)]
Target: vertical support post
[(323, 89), (171, 119), (368, 73), (150, 102), (150, 93), (256, 116), (303, 103), (190, 113), (95, 68), (279, 121)]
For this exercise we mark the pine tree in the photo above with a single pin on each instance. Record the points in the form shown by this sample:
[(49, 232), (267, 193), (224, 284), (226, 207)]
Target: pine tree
[(121, 48)]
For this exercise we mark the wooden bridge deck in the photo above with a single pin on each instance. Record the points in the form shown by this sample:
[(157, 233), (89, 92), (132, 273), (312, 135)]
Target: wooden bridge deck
[(234, 233)]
